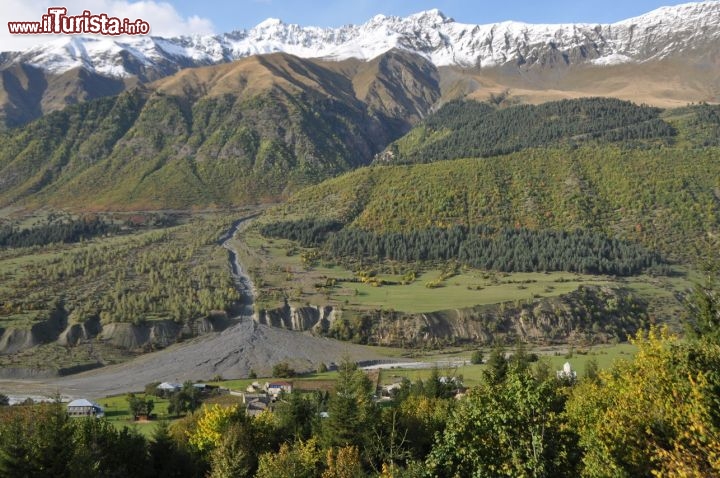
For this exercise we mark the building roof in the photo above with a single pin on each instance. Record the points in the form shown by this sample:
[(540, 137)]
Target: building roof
[(279, 384), (169, 386), (82, 402)]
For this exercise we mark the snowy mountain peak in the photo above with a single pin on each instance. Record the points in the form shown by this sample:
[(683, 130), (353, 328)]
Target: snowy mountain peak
[(268, 23), (430, 17), (658, 34)]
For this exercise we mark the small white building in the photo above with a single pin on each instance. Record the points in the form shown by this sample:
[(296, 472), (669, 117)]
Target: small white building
[(169, 387), (84, 408), (567, 373), (276, 388)]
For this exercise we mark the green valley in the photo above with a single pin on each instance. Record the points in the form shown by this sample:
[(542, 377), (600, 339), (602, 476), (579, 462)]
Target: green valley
[(585, 234), (508, 236)]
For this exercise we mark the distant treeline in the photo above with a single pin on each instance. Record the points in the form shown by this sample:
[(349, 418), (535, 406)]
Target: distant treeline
[(308, 232), (506, 250), (707, 123), (73, 230), (469, 129)]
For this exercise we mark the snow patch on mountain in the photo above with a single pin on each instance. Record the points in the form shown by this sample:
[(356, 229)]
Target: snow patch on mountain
[(661, 33), (612, 59)]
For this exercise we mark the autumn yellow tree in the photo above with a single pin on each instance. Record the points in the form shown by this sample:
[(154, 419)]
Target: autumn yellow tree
[(650, 416), (211, 424), (343, 463), (299, 460)]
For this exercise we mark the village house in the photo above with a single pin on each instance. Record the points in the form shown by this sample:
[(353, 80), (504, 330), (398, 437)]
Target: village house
[(391, 389), (251, 397), (84, 408), (276, 388), (255, 408), (254, 387), (168, 387), (256, 403)]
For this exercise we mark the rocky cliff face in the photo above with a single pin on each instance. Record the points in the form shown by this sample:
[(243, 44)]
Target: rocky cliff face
[(312, 318), (588, 315), (125, 336)]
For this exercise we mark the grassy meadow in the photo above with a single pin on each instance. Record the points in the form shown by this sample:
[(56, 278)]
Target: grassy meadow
[(280, 273)]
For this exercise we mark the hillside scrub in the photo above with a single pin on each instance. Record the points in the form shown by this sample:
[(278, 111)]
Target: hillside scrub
[(176, 273)]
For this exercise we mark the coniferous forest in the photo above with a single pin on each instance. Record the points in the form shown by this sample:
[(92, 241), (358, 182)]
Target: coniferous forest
[(51, 232), (483, 247), (469, 129)]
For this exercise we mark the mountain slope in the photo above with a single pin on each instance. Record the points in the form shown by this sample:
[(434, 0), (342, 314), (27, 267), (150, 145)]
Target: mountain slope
[(226, 134), (570, 60), (666, 195), (469, 129)]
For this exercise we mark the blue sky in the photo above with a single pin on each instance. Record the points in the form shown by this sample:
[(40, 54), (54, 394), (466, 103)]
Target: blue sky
[(229, 15)]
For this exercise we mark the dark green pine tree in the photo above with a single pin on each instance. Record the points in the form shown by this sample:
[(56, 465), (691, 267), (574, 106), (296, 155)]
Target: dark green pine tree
[(497, 366), (53, 442), (15, 451), (168, 459), (350, 408)]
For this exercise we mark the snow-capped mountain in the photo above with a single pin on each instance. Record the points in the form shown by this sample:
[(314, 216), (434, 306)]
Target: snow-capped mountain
[(661, 33)]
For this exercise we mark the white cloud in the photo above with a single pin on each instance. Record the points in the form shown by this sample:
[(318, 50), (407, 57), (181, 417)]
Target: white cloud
[(163, 18)]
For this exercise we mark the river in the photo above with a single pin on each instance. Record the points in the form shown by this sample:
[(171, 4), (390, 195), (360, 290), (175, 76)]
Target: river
[(243, 282)]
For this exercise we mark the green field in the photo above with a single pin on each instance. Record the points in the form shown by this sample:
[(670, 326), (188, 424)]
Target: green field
[(117, 411), (472, 375), (241, 384), (280, 273), (464, 290), (604, 355)]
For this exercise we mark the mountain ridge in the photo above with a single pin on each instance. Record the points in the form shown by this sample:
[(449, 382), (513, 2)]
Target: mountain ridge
[(667, 57), (431, 34), (219, 135)]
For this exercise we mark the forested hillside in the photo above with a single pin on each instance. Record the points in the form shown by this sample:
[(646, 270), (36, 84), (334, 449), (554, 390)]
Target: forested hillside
[(469, 129), (159, 151), (233, 134), (521, 419), (174, 273), (666, 196)]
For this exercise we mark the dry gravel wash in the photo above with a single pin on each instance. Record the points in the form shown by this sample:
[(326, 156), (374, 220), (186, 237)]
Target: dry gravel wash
[(231, 353)]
